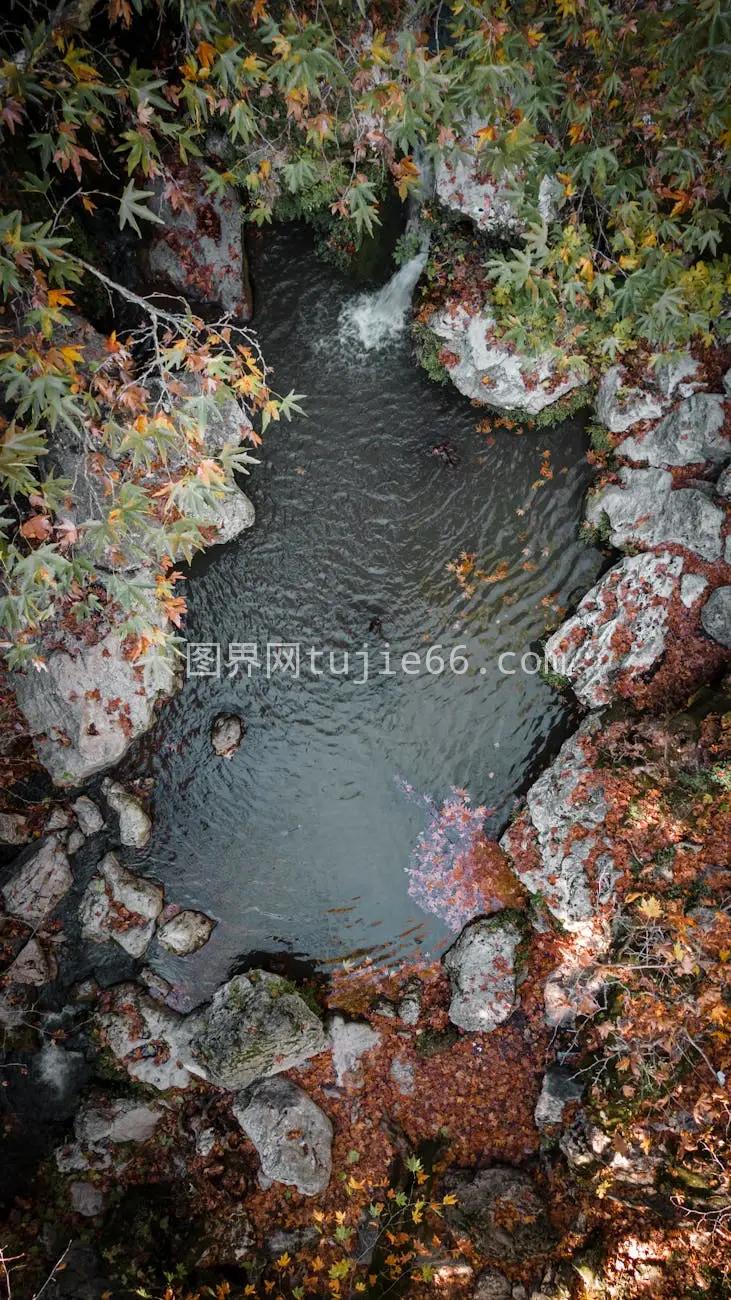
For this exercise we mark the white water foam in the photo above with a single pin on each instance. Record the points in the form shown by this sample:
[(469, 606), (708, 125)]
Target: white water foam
[(375, 318)]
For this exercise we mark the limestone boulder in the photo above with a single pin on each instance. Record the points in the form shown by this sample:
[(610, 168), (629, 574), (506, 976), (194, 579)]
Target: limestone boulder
[(121, 906), (481, 970), (86, 710), (134, 824), (198, 249), (488, 370), (689, 435), (186, 932), (644, 510), (350, 1040), (35, 889), (563, 826), (256, 1026), (559, 1088), (716, 616), (619, 627), (147, 1039), (619, 405), (501, 1210), (292, 1136)]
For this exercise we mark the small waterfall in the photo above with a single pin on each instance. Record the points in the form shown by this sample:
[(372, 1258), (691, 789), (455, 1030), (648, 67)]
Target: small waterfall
[(374, 318)]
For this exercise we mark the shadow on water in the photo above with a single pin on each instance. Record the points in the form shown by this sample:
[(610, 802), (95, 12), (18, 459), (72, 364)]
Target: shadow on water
[(299, 845)]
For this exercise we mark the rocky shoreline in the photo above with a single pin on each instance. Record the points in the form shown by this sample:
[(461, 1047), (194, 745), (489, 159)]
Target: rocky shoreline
[(378, 1066)]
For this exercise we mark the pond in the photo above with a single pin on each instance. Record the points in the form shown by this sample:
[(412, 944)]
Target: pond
[(300, 843)]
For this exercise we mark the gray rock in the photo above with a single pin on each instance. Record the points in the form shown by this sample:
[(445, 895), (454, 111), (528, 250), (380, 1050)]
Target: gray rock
[(488, 371), (350, 1041), (461, 187), (716, 616), (619, 626), (121, 906), (402, 1074), (59, 820), (584, 1144), (229, 1241), (691, 434), (723, 486), (644, 511), (102, 1123), (727, 383), (86, 1199), (76, 840), (619, 407), (12, 829), (671, 374), (198, 251), (134, 824), (559, 1088), (501, 1210), (409, 1007), (566, 811), (231, 514), (148, 1039), (86, 990), (87, 815), (226, 734), (186, 932), (254, 1027), (572, 991), (692, 586), (292, 1136), (71, 711), (35, 965), (481, 969), (36, 888), (492, 1285)]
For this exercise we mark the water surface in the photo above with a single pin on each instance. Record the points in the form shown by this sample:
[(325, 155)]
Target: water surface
[(300, 843)]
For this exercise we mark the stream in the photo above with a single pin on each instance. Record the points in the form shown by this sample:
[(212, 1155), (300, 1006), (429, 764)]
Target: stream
[(299, 844)]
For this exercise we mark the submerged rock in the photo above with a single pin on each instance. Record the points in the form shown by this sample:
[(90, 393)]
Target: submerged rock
[(134, 824), (619, 626), (226, 734), (551, 843), (487, 370), (36, 888), (186, 932), (619, 406), (644, 510), (88, 708), (148, 1039), (292, 1136), (121, 906), (716, 616), (255, 1026), (481, 969), (501, 1210), (691, 434)]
